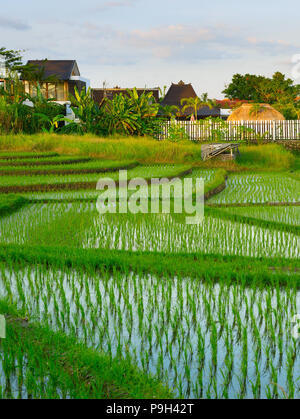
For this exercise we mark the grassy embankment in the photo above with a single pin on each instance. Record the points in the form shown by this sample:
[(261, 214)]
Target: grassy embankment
[(11, 203), (145, 150), (78, 151)]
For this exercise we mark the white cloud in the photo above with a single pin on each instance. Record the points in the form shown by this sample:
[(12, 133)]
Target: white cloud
[(171, 35)]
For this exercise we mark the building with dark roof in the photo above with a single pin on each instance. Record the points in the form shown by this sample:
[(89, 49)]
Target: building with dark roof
[(180, 91), (58, 79)]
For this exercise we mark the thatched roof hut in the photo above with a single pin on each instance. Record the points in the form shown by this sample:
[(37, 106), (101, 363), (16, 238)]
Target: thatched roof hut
[(253, 112)]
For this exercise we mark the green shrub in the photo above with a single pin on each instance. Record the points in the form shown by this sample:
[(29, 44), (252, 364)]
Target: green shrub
[(270, 156), (177, 133)]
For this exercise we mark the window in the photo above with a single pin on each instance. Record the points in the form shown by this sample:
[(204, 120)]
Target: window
[(27, 87), (60, 92), (32, 90), (51, 91), (54, 91), (44, 89)]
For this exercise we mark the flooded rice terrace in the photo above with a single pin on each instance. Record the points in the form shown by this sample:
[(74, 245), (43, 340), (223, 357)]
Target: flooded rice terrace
[(203, 339), (80, 225)]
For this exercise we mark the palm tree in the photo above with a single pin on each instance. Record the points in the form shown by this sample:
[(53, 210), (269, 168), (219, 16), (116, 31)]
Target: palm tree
[(169, 110), (256, 109), (297, 112), (162, 92), (197, 103)]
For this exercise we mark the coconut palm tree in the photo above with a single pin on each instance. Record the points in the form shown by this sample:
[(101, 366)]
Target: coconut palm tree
[(256, 109), (197, 103), (169, 110)]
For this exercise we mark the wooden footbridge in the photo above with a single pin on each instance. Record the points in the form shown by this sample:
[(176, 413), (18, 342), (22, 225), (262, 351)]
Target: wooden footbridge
[(225, 151)]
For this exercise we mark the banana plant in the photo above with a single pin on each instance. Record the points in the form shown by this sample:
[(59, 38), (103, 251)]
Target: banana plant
[(120, 115), (85, 109), (143, 105), (52, 122)]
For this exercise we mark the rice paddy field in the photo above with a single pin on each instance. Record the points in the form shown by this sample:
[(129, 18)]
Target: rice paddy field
[(145, 305)]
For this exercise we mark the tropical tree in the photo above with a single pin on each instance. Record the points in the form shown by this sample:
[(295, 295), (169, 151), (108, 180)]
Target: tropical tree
[(130, 113), (297, 112), (85, 110), (197, 103), (260, 89), (256, 108), (144, 105), (37, 73), (11, 59), (290, 110), (162, 91), (169, 110)]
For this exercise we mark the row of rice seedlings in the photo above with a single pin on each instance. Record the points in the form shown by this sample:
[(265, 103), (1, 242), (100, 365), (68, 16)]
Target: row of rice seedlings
[(34, 224), (13, 155), (78, 195), (206, 175), (23, 375), (259, 188), (145, 172), (79, 224), (162, 233), (283, 214), (205, 340), (45, 160), (93, 166)]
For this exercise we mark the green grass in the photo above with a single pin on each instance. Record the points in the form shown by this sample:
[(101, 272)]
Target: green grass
[(11, 203), (142, 149), (268, 156)]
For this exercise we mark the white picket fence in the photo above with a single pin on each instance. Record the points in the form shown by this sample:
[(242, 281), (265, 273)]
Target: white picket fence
[(209, 130)]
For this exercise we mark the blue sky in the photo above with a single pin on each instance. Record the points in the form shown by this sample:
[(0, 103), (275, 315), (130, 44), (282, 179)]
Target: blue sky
[(154, 43)]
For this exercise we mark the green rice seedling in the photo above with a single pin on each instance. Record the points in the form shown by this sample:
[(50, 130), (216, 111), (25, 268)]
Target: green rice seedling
[(91, 166), (150, 320), (4, 155), (9, 184), (205, 308), (258, 188), (44, 161)]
